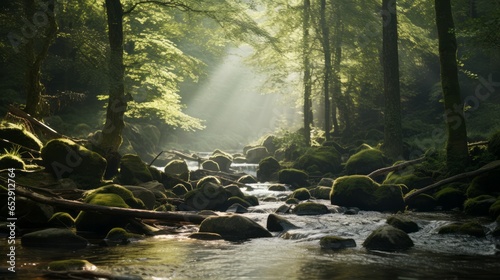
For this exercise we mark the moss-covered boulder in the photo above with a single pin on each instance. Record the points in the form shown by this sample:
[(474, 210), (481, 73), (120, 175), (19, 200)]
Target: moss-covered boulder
[(403, 223), (278, 223), (120, 236), (207, 179), (388, 238), (479, 206), (247, 179), (277, 188), (310, 209), (449, 198), (268, 170), (301, 194), (11, 161), (422, 202), (365, 162), (234, 227), (19, 138), (485, 184), (234, 190), (320, 192), (331, 242), (354, 191), (176, 167), (210, 165), (179, 190), (61, 220), (495, 209), (494, 144), (126, 194), (293, 177), (470, 228), (256, 154), (147, 197), (71, 265), (54, 238), (66, 159), (223, 160), (323, 159), (133, 171), (238, 200), (409, 179), (252, 199), (210, 196), (389, 198)]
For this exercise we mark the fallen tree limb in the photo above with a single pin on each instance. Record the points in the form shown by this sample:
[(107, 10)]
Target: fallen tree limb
[(385, 170), (48, 131), (132, 213), (488, 167)]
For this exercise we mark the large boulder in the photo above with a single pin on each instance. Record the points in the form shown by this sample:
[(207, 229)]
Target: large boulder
[(256, 154), (293, 177), (210, 165), (268, 170), (66, 159), (222, 159), (388, 238), (322, 160), (301, 194), (145, 195), (177, 167), (126, 194), (19, 138), (470, 228), (310, 209), (210, 196), (278, 223), (403, 223), (234, 227), (479, 206), (389, 198), (485, 184), (449, 198), (365, 162), (422, 203), (133, 170), (54, 238)]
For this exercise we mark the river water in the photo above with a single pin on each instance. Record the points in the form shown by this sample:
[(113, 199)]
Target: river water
[(295, 254)]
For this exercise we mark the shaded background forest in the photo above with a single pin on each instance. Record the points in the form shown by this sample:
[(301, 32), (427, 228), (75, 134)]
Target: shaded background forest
[(226, 76)]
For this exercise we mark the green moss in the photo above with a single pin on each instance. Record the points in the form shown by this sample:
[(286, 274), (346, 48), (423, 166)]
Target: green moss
[(247, 179), (277, 188), (354, 191), (61, 220), (224, 161), (121, 235), (11, 161), (210, 165), (124, 193), (268, 169), (133, 170), (485, 184), (209, 196), (321, 192), (208, 179), (479, 206), (16, 134), (310, 208), (450, 198), (389, 198), (471, 228), (388, 238), (325, 159), (403, 223), (99, 223), (301, 194), (71, 265), (495, 209), (176, 167), (66, 159), (292, 201), (422, 202), (294, 177), (365, 162)]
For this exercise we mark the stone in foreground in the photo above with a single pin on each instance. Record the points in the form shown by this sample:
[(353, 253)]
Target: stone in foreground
[(388, 238), (234, 227)]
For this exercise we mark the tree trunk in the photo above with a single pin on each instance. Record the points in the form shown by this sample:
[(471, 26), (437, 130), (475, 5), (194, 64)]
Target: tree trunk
[(328, 67), (456, 146), (307, 73), (35, 55), (338, 100), (393, 139), (117, 102)]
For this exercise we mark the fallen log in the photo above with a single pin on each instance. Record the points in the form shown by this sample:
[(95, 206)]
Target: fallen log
[(488, 167), (132, 213), (386, 170), (48, 131)]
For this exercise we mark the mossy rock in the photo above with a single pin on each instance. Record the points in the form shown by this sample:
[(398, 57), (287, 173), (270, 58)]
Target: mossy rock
[(292, 200), (99, 223), (403, 223), (224, 161), (479, 206), (234, 227), (470, 228), (301, 194), (176, 167), (71, 265), (495, 209), (66, 159), (133, 171), (485, 184), (494, 144), (450, 198), (54, 238), (147, 197), (388, 238), (209, 196), (293, 177), (120, 235), (247, 179), (422, 202), (235, 191), (268, 170), (326, 159), (354, 191), (252, 199), (321, 192), (389, 198), (336, 243), (256, 154), (210, 165), (278, 223), (62, 220), (179, 190), (17, 135), (277, 188), (126, 194), (238, 200), (365, 162), (411, 180), (11, 161), (310, 208)]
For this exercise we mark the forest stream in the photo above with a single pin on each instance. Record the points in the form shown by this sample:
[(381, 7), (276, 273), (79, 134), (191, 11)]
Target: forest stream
[(293, 254)]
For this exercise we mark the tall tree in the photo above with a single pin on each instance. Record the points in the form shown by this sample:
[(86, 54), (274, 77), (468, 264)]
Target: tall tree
[(308, 115), (36, 53), (393, 139), (456, 145), (325, 31)]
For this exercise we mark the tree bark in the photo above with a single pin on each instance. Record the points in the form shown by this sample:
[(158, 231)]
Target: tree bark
[(117, 102), (307, 72), (325, 30), (33, 85), (456, 145), (393, 139), (338, 100)]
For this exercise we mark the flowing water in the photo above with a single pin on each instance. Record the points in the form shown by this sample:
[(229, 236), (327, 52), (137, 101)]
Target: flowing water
[(295, 254)]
